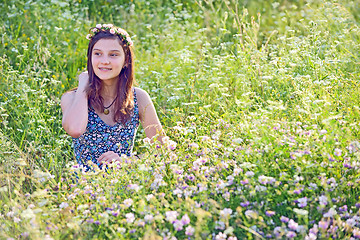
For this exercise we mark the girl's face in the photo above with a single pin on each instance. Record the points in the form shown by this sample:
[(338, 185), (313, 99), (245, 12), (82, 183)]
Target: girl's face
[(108, 59)]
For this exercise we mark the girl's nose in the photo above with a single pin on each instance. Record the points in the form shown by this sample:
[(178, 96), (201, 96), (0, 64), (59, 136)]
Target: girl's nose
[(105, 60)]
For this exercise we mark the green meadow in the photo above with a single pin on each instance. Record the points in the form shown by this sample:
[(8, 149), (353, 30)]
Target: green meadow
[(262, 99)]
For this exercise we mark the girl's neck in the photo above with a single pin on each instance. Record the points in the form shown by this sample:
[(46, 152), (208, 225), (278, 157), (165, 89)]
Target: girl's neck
[(108, 91)]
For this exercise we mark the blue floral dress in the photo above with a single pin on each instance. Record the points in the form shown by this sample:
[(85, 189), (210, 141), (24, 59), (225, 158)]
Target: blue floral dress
[(100, 137)]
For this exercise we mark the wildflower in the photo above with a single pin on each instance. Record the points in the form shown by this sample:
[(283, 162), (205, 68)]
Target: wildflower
[(205, 138), (149, 197), (232, 238), (356, 233), (221, 236), (130, 217), (284, 219), (98, 26), (324, 225), (219, 225), (245, 204), (292, 224), (337, 152), (171, 216), (189, 231), (323, 200), (331, 212), (16, 219), (343, 208), (270, 213), (265, 180), (148, 218), (178, 225), (244, 182), (291, 234), (302, 202), (194, 145), (185, 219), (251, 214), (172, 145), (278, 232), (27, 214), (63, 205), (225, 213), (237, 171), (128, 202), (134, 187), (249, 173), (301, 211)]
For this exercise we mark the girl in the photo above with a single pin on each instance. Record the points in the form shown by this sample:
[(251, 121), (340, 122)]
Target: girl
[(103, 113)]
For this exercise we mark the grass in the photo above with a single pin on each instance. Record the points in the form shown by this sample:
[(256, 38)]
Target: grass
[(261, 97)]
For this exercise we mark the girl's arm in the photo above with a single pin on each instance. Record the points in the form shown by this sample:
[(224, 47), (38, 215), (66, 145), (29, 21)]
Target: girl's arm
[(148, 117), (74, 105)]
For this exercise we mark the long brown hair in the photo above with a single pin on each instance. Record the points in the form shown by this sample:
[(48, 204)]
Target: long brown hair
[(124, 104)]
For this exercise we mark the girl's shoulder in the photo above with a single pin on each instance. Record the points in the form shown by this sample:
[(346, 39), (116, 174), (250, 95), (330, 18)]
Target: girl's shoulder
[(141, 94), (142, 97)]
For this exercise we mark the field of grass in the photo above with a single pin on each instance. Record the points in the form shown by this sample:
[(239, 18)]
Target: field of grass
[(261, 97)]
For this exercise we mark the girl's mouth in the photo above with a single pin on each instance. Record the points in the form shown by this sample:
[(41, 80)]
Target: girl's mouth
[(104, 69)]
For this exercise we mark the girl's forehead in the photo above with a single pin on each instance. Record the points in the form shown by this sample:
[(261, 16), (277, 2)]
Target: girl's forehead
[(108, 44)]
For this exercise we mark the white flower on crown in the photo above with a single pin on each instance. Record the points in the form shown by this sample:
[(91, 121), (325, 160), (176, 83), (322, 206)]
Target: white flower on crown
[(128, 39), (98, 26), (123, 32), (107, 25)]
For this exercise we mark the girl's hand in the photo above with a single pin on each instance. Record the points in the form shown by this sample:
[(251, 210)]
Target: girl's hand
[(83, 80), (108, 158)]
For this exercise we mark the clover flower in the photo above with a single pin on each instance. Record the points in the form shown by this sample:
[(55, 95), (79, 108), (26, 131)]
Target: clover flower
[(130, 217), (302, 202), (221, 236), (189, 231), (293, 225), (178, 225), (291, 234), (185, 220), (128, 202), (171, 216)]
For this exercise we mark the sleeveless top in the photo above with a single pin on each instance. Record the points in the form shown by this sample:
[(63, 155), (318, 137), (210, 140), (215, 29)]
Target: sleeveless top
[(100, 137)]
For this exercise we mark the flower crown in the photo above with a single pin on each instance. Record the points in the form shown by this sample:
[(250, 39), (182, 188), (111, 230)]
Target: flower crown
[(113, 30)]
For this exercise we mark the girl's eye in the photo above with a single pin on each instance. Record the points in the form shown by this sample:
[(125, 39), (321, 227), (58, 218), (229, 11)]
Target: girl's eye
[(113, 55), (97, 54)]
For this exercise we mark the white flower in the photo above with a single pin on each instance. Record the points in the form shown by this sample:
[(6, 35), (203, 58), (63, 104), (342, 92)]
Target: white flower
[(225, 213), (63, 205), (221, 236), (130, 217), (189, 230), (27, 214), (171, 216), (146, 140), (172, 145), (98, 26), (149, 197), (293, 225), (128, 202), (331, 212), (148, 218)]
